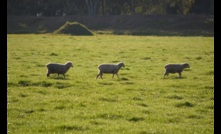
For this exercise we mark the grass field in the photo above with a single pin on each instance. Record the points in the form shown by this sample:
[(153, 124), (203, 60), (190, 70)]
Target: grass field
[(142, 101)]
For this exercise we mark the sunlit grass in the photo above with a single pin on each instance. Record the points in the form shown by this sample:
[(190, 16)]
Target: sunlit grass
[(141, 101)]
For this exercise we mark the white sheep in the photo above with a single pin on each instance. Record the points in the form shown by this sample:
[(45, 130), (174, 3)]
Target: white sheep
[(58, 68), (175, 68), (109, 69)]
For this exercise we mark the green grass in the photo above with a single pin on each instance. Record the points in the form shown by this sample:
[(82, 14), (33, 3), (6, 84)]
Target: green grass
[(142, 101)]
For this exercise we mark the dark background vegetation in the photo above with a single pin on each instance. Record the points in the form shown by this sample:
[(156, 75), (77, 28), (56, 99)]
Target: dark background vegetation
[(132, 17), (108, 7)]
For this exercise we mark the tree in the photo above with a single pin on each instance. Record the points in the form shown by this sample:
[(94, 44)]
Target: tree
[(203, 7), (179, 6), (108, 7), (92, 6)]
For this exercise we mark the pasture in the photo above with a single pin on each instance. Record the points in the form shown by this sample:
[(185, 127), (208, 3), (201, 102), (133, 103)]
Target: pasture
[(141, 101)]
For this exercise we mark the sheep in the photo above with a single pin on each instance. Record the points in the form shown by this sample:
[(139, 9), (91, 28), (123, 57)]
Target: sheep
[(175, 68), (109, 69), (58, 68)]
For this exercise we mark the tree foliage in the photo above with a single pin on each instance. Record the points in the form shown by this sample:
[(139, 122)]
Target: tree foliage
[(108, 7)]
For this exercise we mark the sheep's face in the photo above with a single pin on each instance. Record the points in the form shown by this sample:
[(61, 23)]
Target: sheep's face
[(121, 64), (186, 65), (69, 64)]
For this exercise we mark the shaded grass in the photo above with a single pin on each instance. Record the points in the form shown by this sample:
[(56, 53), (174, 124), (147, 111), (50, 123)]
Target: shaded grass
[(72, 128), (27, 83), (175, 97), (136, 119), (185, 104)]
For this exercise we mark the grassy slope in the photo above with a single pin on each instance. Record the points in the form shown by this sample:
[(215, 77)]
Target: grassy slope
[(133, 25), (141, 101)]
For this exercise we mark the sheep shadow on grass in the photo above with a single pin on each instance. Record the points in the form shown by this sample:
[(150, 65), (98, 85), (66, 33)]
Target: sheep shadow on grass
[(59, 78), (174, 77), (123, 79)]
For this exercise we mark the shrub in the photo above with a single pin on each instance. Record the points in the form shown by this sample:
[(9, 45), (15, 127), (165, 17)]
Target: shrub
[(73, 28)]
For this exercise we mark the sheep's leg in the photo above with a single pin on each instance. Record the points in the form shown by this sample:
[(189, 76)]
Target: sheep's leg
[(101, 75), (179, 74), (64, 75), (98, 75), (166, 73), (113, 76), (48, 73), (117, 76)]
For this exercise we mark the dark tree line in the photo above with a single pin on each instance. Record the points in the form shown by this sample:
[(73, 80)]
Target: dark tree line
[(108, 7)]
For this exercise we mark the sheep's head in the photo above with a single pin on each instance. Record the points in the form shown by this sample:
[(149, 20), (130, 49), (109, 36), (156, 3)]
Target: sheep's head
[(69, 64), (186, 65), (121, 64)]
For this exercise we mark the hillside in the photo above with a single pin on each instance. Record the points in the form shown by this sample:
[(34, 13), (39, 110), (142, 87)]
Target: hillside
[(191, 25)]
